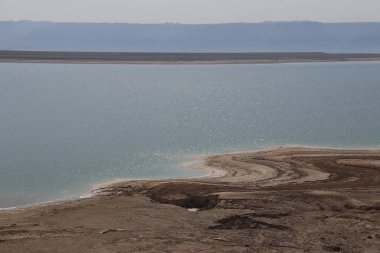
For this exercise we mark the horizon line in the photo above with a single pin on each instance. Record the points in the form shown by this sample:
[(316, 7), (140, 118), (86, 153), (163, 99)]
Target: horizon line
[(179, 23)]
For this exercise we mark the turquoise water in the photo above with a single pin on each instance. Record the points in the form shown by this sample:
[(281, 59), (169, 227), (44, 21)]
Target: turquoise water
[(66, 127)]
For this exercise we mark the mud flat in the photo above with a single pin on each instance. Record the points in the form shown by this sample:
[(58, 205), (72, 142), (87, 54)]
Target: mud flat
[(178, 58), (287, 199)]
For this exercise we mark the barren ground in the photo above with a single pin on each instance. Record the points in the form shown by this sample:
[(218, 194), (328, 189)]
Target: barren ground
[(291, 199)]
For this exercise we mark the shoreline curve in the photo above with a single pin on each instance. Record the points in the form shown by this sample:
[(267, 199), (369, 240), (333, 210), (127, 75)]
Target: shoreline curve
[(284, 199)]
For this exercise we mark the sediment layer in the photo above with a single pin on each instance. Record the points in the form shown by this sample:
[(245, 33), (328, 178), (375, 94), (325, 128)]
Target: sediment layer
[(290, 199)]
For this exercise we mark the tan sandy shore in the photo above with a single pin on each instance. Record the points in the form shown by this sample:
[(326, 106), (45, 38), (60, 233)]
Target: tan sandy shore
[(289, 199)]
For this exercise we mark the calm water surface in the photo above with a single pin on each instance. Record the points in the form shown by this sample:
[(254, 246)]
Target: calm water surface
[(64, 128)]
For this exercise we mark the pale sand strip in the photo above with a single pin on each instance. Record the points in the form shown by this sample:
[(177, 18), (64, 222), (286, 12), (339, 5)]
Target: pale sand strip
[(360, 163), (268, 170)]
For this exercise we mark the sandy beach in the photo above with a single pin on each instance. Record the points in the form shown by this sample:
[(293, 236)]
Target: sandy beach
[(286, 199)]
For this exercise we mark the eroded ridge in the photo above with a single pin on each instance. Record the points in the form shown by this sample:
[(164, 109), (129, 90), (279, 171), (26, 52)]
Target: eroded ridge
[(288, 199), (293, 167)]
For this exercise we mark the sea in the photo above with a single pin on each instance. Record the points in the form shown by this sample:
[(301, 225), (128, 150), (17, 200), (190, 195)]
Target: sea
[(67, 128)]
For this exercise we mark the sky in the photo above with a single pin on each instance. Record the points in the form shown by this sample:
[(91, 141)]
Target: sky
[(190, 11)]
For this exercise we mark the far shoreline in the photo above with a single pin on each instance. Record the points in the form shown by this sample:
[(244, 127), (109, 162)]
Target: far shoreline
[(175, 58)]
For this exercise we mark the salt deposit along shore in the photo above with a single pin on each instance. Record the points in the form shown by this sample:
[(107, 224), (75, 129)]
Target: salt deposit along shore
[(286, 199)]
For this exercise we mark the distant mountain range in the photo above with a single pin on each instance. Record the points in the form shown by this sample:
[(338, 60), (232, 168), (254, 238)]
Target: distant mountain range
[(238, 37)]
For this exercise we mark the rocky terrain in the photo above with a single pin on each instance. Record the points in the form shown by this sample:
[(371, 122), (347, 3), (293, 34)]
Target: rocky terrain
[(287, 199)]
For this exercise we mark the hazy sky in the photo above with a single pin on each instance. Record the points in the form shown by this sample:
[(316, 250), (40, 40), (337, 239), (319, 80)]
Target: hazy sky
[(190, 11)]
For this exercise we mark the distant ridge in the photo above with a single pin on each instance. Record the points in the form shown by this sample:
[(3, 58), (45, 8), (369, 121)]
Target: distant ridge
[(178, 58), (300, 36)]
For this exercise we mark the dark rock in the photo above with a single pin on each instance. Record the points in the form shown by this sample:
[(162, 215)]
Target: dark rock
[(332, 248), (245, 222)]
